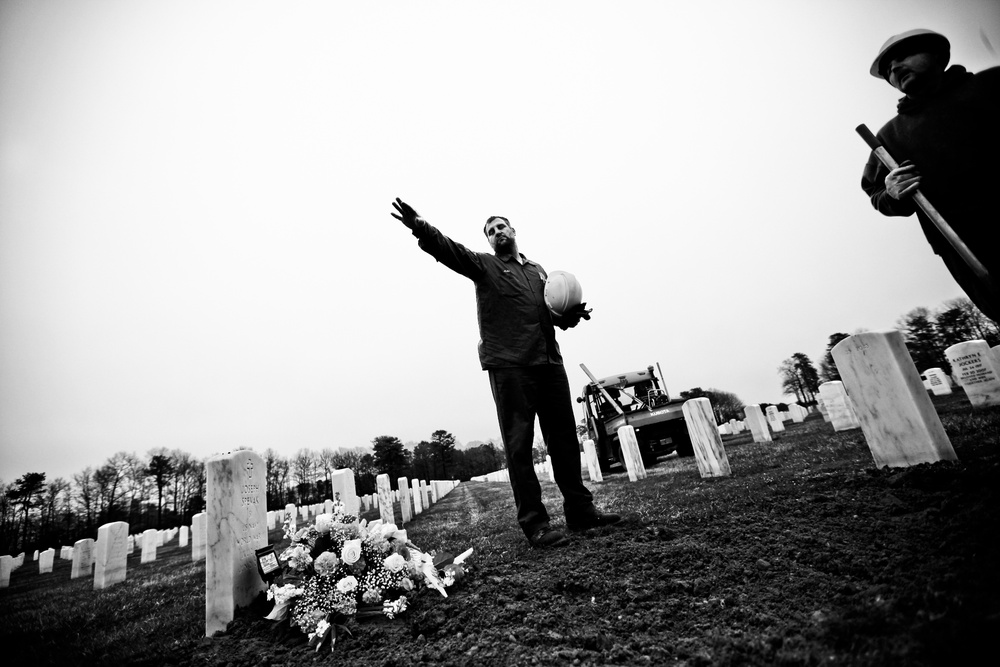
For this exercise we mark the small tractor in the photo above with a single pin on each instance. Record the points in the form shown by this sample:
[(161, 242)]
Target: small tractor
[(638, 399)]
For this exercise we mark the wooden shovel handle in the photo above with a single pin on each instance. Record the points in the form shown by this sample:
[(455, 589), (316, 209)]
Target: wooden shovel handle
[(949, 234)]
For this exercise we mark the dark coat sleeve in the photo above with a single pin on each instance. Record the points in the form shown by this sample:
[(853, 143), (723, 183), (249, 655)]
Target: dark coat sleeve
[(873, 183), (454, 255)]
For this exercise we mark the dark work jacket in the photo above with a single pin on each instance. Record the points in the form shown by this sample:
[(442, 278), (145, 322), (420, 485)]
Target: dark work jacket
[(953, 139), (515, 326)]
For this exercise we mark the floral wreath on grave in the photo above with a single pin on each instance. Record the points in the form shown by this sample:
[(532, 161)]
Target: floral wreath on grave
[(341, 568)]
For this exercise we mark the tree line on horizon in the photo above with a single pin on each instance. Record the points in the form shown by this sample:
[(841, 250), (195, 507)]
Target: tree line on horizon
[(167, 487)]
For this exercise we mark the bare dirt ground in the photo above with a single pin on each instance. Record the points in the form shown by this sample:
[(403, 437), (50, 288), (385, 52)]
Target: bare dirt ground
[(807, 555)]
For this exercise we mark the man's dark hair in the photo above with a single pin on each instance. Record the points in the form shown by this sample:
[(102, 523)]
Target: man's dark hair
[(491, 219)]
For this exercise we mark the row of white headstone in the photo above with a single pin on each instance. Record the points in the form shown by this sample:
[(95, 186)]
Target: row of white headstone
[(86, 554), (881, 393), (705, 435), (413, 497)]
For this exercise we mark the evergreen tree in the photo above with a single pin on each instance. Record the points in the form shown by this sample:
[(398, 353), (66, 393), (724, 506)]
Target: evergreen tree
[(391, 458), (827, 368)]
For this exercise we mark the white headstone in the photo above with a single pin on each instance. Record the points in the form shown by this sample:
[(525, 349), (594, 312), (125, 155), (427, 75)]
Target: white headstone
[(236, 508), (774, 419), (199, 535), (344, 486), (425, 493), (821, 407), (757, 423), (938, 382), (6, 567), (405, 507), (630, 453), (150, 540), (182, 541), (45, 561), (291, 513), (110, 556), (385, 509), (83, 558), (838, 405), (896, 414), (593, 464), (415, 497), (978, 372), (548, 468), (709, 453)]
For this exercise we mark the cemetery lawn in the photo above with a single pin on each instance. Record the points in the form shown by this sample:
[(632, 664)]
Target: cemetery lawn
[(807, 555)]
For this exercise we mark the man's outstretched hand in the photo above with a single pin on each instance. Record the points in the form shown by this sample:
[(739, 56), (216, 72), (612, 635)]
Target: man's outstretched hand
[(405, 214), (573, 316)]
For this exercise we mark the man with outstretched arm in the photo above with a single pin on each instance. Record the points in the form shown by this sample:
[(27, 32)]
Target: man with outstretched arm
[(517, 347), (946, 137)]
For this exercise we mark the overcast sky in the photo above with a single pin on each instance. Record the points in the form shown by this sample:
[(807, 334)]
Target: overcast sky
[(197, 252)]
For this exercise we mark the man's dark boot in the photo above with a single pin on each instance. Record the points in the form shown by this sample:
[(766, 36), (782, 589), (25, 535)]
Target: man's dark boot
[(592, 519), (546, 538)]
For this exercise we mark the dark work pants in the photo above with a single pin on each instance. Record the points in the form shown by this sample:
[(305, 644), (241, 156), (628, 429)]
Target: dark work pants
[(986, 297), (520, 393)]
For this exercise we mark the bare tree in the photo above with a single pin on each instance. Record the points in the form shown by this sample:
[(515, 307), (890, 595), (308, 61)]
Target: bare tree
[(277, 476), (160, 468), (325, 464), (86, 496), (303, 470)]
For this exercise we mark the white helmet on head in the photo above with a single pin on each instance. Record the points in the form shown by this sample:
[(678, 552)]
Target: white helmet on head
[(935, 41)]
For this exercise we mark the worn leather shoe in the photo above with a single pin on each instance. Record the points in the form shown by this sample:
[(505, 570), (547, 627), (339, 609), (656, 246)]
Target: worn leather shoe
[(546, 538), (594, 519)]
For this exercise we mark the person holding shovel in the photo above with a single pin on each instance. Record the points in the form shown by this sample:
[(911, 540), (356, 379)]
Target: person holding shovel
[(518, 349), (946, 139)]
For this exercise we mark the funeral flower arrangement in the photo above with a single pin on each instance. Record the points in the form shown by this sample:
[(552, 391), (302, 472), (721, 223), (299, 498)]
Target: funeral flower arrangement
[(341, 568)]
